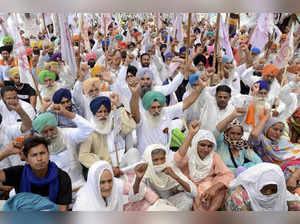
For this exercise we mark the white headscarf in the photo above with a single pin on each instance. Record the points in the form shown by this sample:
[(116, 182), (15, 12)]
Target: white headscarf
[(255, 178), (199, 169), (89, 197)]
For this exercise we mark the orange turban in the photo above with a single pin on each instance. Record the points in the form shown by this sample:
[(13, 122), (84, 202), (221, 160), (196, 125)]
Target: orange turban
[(283, 36), (76, 37), (270, 70)]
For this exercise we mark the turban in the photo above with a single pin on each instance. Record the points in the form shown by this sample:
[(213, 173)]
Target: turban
[(29, 51), (283, 36), (90, 56), (148, 47), (34, 44), (274, 45), (197, 29), (270, 70), (143, 71), (97, 69), (89, 83), (169, 55), (75, 37), (152, 96), (55, 56), (225, 59), (51, 46), (255, 50), (263, 85), (14, 71), (45, 73), (59, 94), (199, 58), (6, 39), (98, 102), (136, 34), (182, 50), (51, 63), (43, 120), (107, 43), (193, 78), (210, 33), (123, 44), (7, 48), (119, 37), (166, 38), (243, 37), (41, 44)]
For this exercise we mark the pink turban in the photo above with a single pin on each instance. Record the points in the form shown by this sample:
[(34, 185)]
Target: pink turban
[(90, 56)]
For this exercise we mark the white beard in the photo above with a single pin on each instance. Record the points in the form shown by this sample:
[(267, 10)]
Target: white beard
[(104, 127), (56, 144), (153, 121)]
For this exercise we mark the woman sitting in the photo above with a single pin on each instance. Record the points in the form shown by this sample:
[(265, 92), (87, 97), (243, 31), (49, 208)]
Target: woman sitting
[(204, 168), (261, 188), (292, 128), (233, 149)]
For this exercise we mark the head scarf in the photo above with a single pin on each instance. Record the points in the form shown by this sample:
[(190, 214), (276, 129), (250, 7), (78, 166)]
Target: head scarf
[(235, 144), (255, 178), (90, 198), (199, 58), (255, 50), (29, 202), (294, 127), (270, 70), (14, 71), (263, 85), (151, 96), (98, 102), (97, 69), (55, 57), (143, 71), (6, 39), (44, 74), (198, 168), (193, 78), (90, 56), (59, 94), (43, 120), (89, 83)]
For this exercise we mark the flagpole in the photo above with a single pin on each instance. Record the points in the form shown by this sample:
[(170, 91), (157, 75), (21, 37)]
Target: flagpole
[(188, 44), (216, 45)]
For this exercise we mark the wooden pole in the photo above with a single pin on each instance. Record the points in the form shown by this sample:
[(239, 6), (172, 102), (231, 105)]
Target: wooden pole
[(188, 44), (216, 45)]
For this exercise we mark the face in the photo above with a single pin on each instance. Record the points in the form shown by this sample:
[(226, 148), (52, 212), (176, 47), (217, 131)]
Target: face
[(145, 81), (168, 61), (49, 132), (11, 98), (222, 99), (106, 184), (204, 147), (269, 189), (54, 68), (269, 78), (5, 55), (155, 109), (93, 91), (117, 59), (159, 158), (48, 82), (228, 66), (26, 42), (263, 93), (129, 76), (16, 79), (38, 158), (200, 66), (275, 132), (235, 133), (145, 61), (102, 113), (66, 103)]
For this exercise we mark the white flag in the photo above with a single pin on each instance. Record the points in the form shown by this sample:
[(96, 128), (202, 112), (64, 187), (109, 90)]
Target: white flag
[(19, 49), (260, 35), (84, 32), (224, 37), (286, 51), (179, 35), (67, 52)]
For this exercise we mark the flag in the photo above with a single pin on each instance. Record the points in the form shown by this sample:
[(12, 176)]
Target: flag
[(84, 32), (179, 35), (224, 37), (67, 52), (286, 51), (19, 49), (260, 35), (106, 19)]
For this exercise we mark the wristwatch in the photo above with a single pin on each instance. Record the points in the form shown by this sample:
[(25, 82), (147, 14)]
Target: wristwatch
[(122, 105)]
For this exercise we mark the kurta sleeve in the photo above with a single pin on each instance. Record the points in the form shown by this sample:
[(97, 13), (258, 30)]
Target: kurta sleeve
[(171, 87), (222, 172), (127, 122), (248, 78), (181, 162)]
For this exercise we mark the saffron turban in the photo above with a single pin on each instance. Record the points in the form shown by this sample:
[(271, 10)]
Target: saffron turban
[(43, 120), (59, 94), (270, 70), (98, 102), (152, 96)]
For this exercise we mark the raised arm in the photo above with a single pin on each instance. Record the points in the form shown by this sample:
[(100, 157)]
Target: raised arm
[(134, 86), (238, 112), (260, 126)]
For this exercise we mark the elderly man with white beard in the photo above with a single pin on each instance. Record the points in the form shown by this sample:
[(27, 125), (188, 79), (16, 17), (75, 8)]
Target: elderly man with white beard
[(64, 141), (154, 122), (111, 127)]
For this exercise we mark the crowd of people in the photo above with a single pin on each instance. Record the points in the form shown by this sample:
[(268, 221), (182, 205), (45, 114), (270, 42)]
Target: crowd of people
[(156, 114)]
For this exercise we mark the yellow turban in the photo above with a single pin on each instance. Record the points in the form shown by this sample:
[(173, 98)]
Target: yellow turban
[(97, 69), (34, 44), (51, 45), (41, 44), (90, 83), (14, 71)]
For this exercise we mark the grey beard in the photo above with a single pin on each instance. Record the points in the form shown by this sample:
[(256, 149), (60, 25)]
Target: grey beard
[(144, 90), (56, 144)]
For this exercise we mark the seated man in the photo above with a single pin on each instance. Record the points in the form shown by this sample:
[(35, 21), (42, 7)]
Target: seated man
[(39, 175)]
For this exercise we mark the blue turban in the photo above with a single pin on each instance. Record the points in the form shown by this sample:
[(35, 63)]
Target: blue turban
[(107, 43), (55, 56), (255, 50), (169, 55), (143, 71), (166, 38), (98, 102), (25, 202), (193, 78), (225, 59), (182, 49), (135, 30), (263, 85), (210, 33), (148, 46), (119, 37), (59, 94)]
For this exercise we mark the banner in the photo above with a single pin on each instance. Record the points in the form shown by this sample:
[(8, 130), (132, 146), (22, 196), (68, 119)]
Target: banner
[(260, 35)]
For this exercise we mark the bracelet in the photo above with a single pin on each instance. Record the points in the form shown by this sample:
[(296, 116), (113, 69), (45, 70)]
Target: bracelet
[(122, 105)]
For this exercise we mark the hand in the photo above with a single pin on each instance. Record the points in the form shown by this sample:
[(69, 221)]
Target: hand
[(140, 170), (194, 127), (106, 77), (255, 89), (16, 106), (169, 171), (59, 109), (207, 196), (291, 184), (267, 114), (114, 98), (239, 112), (117, 172), (134, 85), (83, 71), (210, 71), (13, 148), (202, 84)]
